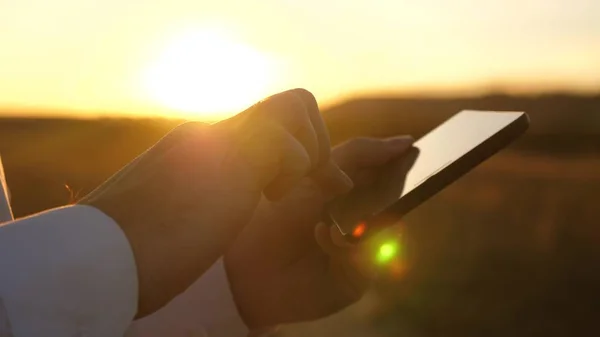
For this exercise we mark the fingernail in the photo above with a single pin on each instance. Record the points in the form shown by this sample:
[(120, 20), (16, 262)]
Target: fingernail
[(400, 143), (346, 179), (344, 183), (338, 238), (332, 179)]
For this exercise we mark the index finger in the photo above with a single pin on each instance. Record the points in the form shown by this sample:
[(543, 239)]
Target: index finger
[(314, 114)]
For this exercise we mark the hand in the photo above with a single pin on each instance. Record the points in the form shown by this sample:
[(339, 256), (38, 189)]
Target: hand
[(182, 202), (287, 267)]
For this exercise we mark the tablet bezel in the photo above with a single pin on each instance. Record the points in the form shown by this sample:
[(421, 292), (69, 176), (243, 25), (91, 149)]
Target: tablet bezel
[(444, 177)]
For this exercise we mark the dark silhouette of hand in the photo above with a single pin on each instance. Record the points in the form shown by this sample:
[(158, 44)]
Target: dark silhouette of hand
[(288, 267), (182, 202)]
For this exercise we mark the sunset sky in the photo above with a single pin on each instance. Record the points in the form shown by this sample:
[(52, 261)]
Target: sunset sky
[(208, 59)]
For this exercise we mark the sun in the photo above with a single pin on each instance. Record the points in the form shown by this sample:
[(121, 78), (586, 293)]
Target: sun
[(208, 74)]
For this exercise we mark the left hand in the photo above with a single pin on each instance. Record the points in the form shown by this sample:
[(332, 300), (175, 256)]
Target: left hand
[(183, 201), (285, 266)]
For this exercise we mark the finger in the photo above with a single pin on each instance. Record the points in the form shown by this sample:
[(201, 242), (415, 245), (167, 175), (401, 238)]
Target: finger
[(350, 273), (290, 110), (350, 285), (349, 264), (397, 166), (365, 176), (332, 180), (370, 152), (293, 164), (286, 109), (312, 109), (338, 239), (326, 173), (330, 243), (323, 238)]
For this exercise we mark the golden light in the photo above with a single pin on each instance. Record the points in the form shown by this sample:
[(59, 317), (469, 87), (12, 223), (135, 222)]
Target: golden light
[(206, 73)]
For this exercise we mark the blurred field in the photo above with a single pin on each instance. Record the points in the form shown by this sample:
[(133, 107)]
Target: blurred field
[(512, 249)]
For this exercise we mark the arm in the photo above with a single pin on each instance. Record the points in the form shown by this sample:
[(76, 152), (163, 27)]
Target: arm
[(178, 207), (206, 307), (67, 272)]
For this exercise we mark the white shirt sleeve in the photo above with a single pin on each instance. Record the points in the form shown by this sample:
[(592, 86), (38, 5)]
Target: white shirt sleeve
[(5, 210), (71, 272), (66, 272), (205, 309)]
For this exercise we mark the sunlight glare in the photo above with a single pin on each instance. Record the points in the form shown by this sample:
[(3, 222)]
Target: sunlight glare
[(207, 74), (387, 251)]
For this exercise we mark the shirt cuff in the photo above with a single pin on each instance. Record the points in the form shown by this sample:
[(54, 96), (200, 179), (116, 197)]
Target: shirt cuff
[(67, 272), (5, 210), (206, 308)]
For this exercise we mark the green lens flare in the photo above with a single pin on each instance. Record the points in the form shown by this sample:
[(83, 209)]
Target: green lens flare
[(387, 252)]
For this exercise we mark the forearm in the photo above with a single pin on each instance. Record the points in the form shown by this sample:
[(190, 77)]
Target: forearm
[(70, 270)]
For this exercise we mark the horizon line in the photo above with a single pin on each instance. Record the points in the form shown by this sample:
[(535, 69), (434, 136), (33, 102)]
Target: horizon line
[(40, 112)]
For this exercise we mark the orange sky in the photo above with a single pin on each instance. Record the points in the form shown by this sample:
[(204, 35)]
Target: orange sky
[(208, 59)]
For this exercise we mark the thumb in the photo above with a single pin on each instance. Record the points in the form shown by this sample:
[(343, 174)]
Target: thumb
[(370, 152)]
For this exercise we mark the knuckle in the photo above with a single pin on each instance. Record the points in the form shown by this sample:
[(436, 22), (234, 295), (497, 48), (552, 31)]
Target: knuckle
[(285, 108), (303, 93), (306, 96), (287, 98), (304, 164)]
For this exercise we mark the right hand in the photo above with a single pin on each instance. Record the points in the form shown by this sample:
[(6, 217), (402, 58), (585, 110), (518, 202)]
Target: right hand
[(287, 266), (182, 202)]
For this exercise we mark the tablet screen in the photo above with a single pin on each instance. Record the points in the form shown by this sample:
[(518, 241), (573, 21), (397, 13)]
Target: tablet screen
[(436, 150), (453, 139)]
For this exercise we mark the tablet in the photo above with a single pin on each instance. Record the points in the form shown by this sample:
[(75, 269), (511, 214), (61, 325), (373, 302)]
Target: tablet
[(436, 160)]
